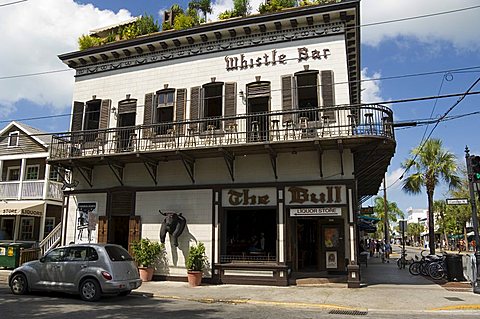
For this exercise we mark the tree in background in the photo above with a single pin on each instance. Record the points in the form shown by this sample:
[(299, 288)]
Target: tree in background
[(205, 6), (430, 164), (276, 5), (414, 230), (241, 8), (379, 212)]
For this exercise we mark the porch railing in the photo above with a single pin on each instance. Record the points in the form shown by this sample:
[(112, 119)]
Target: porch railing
[(31, 190), (52, 239), (271, 127)]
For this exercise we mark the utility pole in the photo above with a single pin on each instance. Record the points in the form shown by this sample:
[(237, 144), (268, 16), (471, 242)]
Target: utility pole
[(385, 206), (471, 184)]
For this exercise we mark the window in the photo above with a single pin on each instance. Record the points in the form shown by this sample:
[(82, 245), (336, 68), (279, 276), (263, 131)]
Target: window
[(307, 92), (164, 109), (54, 174), (250, 235), (77, 254), (13, 138), (56, 255), (49, 225), (13, 173), (26, 228), (212, 102), (7, 227), (32, 172), (117, 253), (92, 119)]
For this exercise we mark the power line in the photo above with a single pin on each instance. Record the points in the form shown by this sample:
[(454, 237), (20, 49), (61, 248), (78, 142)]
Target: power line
[(11, 3), (33, 74)]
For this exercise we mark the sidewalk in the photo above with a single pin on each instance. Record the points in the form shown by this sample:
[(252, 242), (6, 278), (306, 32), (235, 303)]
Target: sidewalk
[(385, 288)]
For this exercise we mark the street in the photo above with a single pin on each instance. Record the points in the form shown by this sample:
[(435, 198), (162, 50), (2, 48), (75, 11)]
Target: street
[(140, 305)]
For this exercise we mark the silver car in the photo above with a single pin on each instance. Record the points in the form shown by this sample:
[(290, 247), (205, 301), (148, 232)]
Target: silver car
[(86, 269)]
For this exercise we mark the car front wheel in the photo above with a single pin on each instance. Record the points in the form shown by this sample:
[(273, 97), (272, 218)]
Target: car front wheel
[(90, 290), (19, 284)]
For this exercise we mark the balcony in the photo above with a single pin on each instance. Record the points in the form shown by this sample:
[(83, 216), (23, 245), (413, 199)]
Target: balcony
[(363, 129), (29, 190)]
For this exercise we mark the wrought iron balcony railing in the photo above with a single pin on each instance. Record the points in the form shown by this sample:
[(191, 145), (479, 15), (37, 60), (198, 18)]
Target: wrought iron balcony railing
[(271, 127)]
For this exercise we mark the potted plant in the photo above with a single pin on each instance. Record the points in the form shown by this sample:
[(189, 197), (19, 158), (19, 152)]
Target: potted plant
[(196, 263), (146, 252)]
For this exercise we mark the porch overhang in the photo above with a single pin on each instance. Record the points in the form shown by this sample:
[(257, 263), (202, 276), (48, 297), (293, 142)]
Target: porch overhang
[(22, 208)]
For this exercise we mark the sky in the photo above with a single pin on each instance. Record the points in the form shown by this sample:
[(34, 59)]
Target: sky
[(410, 49)]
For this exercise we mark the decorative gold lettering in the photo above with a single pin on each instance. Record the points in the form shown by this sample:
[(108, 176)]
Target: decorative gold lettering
[(299, 195), (274, 53), (316, 55), (264, 200), (313, 198), (265, 57), (234, 198), (259, 61), (252, 200), (326, 53), (302, 54), (243, 62), (338, 194), (281, 59), (329, 194)]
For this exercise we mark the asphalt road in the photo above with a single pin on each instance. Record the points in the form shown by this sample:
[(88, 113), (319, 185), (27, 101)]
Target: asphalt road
[(138, 306)]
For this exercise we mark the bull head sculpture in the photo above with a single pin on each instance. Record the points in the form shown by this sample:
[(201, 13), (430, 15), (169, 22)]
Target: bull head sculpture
[(174, 224)]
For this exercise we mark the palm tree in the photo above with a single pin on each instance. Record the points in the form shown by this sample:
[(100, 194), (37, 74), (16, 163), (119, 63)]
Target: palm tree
[(393, 213), (203, 5), (430, 164)]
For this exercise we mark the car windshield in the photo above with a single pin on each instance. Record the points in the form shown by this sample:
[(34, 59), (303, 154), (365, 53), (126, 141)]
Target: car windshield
[(117, 253)]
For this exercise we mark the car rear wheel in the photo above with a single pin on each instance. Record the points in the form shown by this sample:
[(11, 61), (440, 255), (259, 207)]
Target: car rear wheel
[(90, 290), (19, 284), (125, 293)]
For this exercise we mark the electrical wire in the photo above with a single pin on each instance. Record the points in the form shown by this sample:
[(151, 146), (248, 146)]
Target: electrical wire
[(11, 3)]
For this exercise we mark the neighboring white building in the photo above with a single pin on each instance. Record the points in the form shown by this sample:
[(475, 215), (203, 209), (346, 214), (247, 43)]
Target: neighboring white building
[(251, 128)]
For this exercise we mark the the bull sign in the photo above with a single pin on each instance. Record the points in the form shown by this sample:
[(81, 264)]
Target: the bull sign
[(174, 224)]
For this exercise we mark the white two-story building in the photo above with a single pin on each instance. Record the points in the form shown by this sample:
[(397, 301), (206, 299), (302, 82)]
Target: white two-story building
[(252, 128)]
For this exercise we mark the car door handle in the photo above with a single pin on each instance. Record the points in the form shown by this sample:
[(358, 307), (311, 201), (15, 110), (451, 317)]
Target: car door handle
[(83, 266)]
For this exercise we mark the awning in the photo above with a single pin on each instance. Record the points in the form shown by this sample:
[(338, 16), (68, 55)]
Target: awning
[(372, 219), (24, 208)]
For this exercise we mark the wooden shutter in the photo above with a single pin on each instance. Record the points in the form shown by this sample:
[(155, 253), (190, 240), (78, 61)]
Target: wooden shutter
[(148, 109), (328, 93), (102, 229), (230, 100), (122, 203), (180, 105), (258, 90), (77, 116), (195, 100), (104, 114), (127, 106), (287, 96), (133, 230)]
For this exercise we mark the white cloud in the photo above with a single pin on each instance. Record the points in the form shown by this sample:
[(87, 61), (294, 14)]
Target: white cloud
[(33, 34), (371, 89), (461, 29), (220, 6)]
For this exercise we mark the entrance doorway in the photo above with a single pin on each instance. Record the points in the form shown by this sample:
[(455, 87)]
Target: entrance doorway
[(320, 245), (118, 233), (307, 243)]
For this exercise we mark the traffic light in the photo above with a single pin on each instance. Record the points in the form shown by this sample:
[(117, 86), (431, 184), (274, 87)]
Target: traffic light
[(475, 164)]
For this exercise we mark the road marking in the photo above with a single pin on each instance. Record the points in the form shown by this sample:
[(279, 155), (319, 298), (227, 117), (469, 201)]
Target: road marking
[(458, 307), (262, 302)]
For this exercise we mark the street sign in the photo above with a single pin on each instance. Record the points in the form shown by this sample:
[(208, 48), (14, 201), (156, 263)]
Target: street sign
[(366, 210), (457, 201)]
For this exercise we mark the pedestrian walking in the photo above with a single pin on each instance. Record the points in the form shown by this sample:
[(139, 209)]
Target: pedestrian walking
[(388, 251)]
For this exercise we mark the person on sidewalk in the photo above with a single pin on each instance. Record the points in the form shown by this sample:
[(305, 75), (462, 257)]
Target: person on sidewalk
[(388, 251)]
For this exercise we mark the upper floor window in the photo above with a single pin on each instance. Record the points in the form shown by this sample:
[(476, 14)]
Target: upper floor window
[(92, 115), (307, 93), (13, 138), (32, 172), (13, 173), (54, 174), (213, 103)]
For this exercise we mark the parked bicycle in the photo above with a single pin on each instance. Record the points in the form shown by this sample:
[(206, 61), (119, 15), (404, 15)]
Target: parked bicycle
[(429, 265), (403, 261)]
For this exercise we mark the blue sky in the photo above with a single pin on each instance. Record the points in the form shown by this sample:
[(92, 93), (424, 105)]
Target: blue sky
[(34, 32)]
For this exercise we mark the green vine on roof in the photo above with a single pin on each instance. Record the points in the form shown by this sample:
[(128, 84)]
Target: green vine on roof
[(146, 24)]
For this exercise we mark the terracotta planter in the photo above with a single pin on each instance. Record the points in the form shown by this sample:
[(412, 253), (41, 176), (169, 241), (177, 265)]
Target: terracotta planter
[(194, 278), (146, 274)]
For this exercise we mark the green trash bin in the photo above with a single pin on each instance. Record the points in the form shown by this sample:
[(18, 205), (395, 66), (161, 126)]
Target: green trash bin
[(10, 255)]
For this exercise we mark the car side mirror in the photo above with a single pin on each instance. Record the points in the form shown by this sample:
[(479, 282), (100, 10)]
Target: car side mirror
[(42, 259)]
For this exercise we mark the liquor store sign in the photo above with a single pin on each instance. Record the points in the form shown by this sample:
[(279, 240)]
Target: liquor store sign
[(316, 211)]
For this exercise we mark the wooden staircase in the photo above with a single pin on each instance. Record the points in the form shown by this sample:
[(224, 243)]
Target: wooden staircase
[(52, 240)]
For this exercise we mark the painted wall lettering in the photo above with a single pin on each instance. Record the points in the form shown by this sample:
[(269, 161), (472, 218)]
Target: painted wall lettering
[(242, 62), (301, 195), (243, 198)]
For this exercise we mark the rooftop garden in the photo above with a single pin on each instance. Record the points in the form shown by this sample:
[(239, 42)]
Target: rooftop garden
[(178, 18)]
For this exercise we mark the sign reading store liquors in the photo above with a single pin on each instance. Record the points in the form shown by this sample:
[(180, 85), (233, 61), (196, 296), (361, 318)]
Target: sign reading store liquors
[(316, 211), (316, 194), (249, 197)]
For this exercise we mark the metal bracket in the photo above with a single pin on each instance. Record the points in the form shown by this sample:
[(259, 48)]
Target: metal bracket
[(273, 159), (151, 166), (320, 157), (189, 163), (87, 173), (230, 161), (117, 169)]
